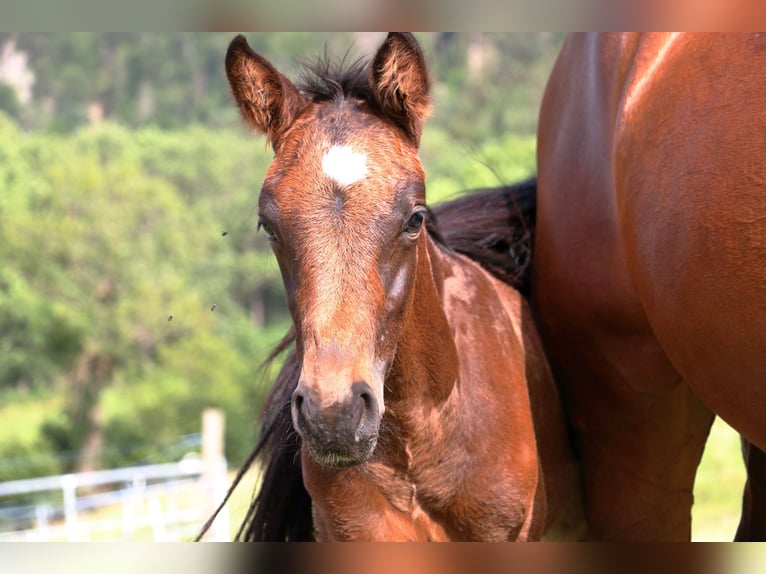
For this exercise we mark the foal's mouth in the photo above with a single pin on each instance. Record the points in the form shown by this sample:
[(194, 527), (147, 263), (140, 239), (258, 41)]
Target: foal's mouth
[(331, 456)]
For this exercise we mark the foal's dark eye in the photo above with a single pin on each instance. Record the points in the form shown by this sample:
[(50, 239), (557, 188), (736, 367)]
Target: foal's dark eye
[(414, 223), (267, 229)]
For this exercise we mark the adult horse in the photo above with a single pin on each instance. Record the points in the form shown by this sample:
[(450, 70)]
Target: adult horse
[(423, 404), (650, 266)]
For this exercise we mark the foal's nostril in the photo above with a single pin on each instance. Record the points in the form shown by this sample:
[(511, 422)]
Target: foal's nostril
[(297, 400), (364, 402), (297, 408)]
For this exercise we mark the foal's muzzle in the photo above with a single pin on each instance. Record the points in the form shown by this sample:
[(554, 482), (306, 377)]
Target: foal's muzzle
[(341, 434)]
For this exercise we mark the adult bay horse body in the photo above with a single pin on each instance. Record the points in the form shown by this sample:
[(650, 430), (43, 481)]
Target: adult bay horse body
[(650, 266), (422, 401)]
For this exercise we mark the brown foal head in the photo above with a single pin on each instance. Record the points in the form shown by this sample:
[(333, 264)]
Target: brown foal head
[(343, 205)]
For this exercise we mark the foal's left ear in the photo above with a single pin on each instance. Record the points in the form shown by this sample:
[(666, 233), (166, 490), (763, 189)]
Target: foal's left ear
[(400, 83)]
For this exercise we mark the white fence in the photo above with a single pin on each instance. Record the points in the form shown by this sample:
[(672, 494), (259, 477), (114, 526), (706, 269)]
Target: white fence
[(162, 502)]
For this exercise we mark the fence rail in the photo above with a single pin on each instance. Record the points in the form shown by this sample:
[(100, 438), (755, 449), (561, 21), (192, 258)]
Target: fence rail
[(185, 467)]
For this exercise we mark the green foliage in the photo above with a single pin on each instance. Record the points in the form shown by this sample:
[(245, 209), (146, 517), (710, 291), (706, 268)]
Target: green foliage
[(138, 78), (454, 167), (23, 451), (485, 84), (104, 235), (33, 326), (20, 459), (489, 85), (9, 101)]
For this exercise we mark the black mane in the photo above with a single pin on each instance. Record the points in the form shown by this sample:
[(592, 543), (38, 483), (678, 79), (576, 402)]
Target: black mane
[(327, 79), (494, 226)]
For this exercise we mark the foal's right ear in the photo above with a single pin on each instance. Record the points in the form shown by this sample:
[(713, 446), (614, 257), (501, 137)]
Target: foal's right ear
[(268, 101)]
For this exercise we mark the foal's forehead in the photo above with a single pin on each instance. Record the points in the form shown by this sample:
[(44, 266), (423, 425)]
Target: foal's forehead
[(344, 165), (343, 147)]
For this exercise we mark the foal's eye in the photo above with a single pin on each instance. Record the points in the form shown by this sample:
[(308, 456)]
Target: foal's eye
[(267, 229), (414, 223)]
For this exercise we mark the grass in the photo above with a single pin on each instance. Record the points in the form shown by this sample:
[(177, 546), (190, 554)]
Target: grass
[(718, 488), (240, 499)]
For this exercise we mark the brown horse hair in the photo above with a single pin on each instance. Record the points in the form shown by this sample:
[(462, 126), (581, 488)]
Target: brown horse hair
[(492, 226)]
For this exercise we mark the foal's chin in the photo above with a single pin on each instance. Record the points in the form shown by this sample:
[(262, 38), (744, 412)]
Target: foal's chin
[(336, 458)]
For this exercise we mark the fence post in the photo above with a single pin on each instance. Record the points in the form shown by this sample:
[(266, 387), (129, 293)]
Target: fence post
[(214, 473), (41, 513), (69, 486)]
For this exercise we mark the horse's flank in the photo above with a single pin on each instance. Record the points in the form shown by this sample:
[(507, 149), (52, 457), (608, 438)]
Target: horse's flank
[(649, 266)]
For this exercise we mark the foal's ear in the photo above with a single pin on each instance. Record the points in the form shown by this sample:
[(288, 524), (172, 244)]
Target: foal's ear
[(400, 83), (269, 102)]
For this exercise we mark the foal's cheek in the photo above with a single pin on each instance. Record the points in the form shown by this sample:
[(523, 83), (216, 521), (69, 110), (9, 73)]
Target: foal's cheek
[(391, 317), (397, 279), (290, 280)]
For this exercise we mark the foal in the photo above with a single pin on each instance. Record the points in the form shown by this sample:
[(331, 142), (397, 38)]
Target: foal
[(422, 401)]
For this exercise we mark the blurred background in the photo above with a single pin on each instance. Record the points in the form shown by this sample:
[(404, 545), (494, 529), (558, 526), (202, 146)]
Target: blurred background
[(135, 293)]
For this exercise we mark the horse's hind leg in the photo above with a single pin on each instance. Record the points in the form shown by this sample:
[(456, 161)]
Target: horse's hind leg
[(640, 433), (639, 472), (752, 525)]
